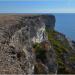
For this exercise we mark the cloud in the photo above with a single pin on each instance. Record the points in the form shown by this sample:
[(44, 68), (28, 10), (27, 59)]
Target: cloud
[(58, 10)]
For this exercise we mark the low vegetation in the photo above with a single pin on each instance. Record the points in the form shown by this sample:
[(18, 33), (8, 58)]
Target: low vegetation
[(61, 46), (39, 51)]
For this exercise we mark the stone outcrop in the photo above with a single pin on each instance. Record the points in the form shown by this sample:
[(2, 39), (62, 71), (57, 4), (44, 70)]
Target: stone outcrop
[(18, 34)]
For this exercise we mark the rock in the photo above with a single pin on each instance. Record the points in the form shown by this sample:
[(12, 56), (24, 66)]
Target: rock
[(46, 58), (18, 34)]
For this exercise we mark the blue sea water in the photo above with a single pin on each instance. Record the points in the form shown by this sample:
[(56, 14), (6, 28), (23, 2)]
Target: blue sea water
[(65, 23)]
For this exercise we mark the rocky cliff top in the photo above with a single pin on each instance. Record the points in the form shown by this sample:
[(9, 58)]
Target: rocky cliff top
[(29, 44), (17, 34)]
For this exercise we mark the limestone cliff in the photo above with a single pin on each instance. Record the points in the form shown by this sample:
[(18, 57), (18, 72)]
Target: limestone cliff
[(29, 44)]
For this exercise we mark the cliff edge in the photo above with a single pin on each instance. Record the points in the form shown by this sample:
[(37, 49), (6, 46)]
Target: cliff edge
[(29, 44)]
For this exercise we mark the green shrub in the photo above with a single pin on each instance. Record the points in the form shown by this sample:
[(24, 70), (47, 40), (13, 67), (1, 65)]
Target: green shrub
[(39, 52), (59, 47)]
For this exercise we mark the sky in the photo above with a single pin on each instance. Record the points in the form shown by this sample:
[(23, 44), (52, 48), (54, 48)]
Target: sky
[(37, 6)]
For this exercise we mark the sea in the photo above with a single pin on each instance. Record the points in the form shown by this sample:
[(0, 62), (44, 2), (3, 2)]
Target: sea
[(65, 23)]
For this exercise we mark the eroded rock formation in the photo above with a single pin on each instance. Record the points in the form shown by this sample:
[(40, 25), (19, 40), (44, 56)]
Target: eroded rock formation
[(18, 34)]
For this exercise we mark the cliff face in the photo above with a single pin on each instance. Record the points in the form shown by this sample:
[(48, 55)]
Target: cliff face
[(17, 35), (29, 44)]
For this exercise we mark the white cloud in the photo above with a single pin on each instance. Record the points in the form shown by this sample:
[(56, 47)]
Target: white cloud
[(59, 10)]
